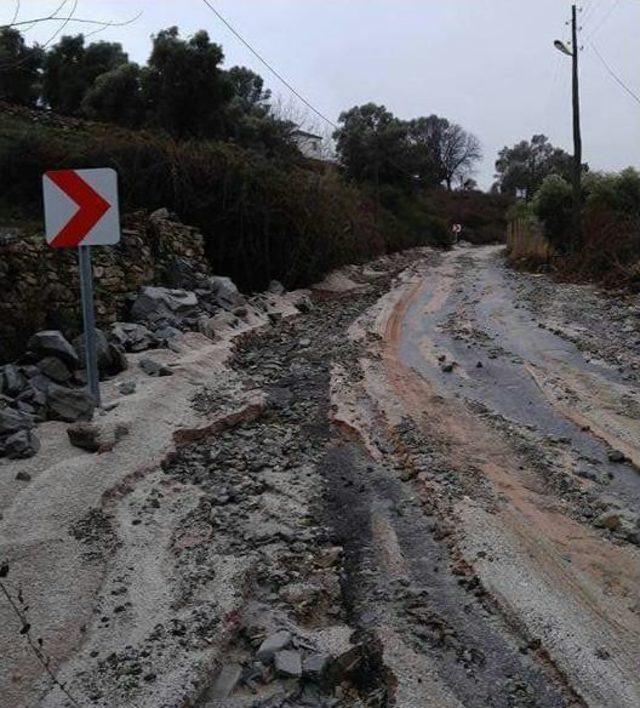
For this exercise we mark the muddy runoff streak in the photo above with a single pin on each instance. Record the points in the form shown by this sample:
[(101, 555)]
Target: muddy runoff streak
[(552, 575)]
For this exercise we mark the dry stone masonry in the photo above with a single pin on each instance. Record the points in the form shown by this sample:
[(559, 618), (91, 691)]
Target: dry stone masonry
[(40, 289)]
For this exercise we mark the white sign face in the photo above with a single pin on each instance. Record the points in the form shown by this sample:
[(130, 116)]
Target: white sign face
[(81, 207), (456, 228)]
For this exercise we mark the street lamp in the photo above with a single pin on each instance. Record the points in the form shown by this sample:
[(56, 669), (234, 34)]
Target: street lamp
[(562, 47)]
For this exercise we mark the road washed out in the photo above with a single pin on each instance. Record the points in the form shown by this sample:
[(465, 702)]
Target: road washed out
[(409, 487)]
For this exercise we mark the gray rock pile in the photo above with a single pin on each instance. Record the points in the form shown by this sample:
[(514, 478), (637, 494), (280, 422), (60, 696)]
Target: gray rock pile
[(48, 383)]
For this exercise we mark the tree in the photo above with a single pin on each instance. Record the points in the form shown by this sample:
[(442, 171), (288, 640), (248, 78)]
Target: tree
[(185, 88), (373, 146), (70, 70), (116, 97), (524, 166), (19, 68), (248, 89), (444, 151)]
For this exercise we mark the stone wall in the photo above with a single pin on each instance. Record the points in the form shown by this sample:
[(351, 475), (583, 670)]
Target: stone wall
[(39, 285)]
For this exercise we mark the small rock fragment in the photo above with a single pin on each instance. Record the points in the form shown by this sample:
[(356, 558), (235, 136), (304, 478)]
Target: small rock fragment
[(153, 368), (288, 663), (227, 681), (315, 665), (272, 644), (126, 388)]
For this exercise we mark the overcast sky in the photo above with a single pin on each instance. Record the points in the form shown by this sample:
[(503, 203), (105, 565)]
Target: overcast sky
[(489, 65)]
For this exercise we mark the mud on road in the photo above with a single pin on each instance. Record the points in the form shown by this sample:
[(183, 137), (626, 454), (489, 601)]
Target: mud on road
[(426, 495)]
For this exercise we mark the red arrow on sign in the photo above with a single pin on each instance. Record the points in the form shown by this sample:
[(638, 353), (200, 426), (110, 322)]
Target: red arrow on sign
[(92, 207)]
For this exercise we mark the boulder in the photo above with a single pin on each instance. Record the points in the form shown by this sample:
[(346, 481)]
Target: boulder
[(21, 445), (54, 369), (69, 404), (225, 291), (154, 304), (102, 350), (52, 343), (12, 421), (133, 337), (12, 380), (118, 360)]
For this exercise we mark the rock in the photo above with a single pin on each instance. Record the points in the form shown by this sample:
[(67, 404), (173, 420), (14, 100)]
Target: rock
[(272, 644), (182, 273), (154, 304), (23, 476), (315, 665), (85, 436), (52, 343), (111, 359), (448, 367), (288, 663), (212, 326), (12, 421), (69, 405), (133, 337), (276, 288), (305, 304), (54, 369), (94, 438), (624, 522), (617, 456), (226, 292), (153, 368), (227, 680), (12, 380), (126, 388), (165, 334), (102, 349), (21, 445), (118, 361)]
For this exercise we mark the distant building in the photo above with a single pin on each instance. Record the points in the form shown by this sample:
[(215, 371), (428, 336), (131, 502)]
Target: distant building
[(309, 144)]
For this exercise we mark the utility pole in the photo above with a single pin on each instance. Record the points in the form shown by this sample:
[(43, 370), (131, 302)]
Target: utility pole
[(577, 137), (574, 53)]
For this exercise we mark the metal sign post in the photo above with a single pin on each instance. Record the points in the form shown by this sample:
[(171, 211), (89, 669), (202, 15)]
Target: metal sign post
[(81, 210), (89, 319)]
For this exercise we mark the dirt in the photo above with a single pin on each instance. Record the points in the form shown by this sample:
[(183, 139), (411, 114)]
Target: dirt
[(427, 484)]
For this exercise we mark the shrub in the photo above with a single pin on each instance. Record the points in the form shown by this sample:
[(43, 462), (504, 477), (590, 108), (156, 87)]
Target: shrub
[(553, 204), (262, 218)]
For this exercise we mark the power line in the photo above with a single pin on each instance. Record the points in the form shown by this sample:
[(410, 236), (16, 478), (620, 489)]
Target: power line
[(613, 74), (274, 71), (604, 19)]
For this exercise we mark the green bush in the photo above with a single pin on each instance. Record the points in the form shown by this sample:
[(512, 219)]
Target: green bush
[(618, 192), (553, 204)]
